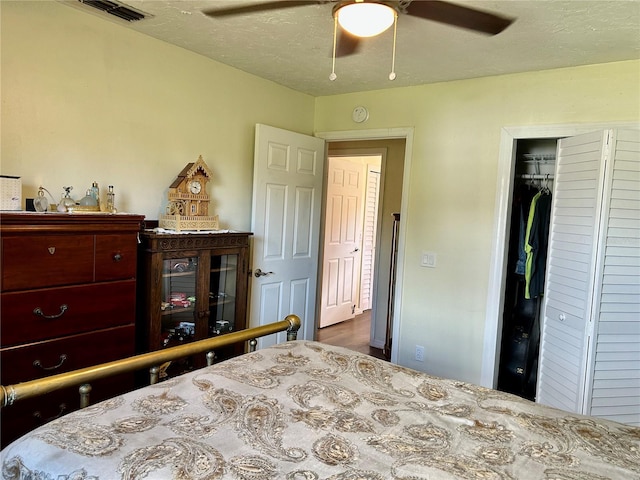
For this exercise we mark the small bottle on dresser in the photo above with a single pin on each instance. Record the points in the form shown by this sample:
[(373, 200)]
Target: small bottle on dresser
[(95, 193), (111, 206)]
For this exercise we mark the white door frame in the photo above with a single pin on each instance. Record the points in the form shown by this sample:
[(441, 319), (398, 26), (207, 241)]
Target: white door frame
[(405, 133), (502, 216)]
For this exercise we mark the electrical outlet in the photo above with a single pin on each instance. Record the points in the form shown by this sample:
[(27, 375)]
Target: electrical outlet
[(420, 353)]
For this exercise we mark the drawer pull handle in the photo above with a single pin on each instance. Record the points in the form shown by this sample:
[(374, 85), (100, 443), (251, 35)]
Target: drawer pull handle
[(38, 415), (38, 311), (117, 257), (38, 364)]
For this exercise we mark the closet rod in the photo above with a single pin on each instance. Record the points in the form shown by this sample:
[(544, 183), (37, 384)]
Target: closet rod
[(536, 176)]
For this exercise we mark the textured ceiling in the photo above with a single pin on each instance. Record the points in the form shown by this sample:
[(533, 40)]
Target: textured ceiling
[(292, 47)]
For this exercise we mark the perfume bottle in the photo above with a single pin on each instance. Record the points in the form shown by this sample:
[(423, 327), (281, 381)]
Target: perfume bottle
[(111, 197), (66, 201), (95, 193), (88, 200)]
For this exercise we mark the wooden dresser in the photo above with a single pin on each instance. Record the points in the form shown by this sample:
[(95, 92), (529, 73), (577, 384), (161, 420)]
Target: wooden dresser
[(68, 301)]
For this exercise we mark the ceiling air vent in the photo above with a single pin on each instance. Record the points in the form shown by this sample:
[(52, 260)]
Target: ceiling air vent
[(116, 9)]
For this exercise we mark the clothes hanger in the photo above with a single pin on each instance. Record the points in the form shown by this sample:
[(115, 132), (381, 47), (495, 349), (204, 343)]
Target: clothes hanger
[(545, 185)]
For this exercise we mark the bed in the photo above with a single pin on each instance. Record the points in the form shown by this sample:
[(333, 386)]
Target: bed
[(302, 410)]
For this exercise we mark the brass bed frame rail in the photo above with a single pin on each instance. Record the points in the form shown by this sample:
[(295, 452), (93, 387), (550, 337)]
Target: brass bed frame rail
[(9, 394)]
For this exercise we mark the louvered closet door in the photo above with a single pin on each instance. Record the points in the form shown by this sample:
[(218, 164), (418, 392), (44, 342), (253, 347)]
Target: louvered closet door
[(615, 382), (367, 274), (570, 271)]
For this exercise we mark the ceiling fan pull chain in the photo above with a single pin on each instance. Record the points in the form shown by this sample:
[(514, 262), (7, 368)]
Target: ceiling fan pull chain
[(392, 75), (333, 75)]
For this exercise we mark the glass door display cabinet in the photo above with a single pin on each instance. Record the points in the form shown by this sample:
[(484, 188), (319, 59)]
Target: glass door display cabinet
[(193, 286)]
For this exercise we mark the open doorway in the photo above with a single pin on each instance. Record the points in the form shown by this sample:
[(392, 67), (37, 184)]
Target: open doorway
[(534, 172), (350, 236), (372, 293)]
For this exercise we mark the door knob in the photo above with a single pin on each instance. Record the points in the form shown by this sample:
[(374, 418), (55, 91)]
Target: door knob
[(260, 273), (356, 250)]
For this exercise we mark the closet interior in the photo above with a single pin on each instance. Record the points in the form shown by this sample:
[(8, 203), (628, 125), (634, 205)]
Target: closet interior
[(528, 237)]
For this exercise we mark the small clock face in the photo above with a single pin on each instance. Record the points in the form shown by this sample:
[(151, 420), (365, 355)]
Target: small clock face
[(360, 114), (195, 187)]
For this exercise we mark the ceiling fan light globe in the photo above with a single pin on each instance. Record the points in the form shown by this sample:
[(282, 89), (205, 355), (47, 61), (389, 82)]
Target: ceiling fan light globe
[(366, 19)]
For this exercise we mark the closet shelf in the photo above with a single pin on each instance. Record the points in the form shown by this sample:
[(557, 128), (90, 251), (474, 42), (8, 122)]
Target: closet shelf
[(536, 176), (539, 158)]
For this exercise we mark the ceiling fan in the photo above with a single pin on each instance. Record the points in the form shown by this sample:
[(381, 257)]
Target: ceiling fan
[(435, 10), (359, 19)]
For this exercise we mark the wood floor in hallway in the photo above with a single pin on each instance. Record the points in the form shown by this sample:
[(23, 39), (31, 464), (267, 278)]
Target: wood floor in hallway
[(353, 334)]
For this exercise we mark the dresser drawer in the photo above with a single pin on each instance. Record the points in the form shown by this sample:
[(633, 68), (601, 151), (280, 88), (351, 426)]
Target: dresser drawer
[(41, 359), (66, 311), (24, 416), (47, 260), (81, 350), (116, 257)]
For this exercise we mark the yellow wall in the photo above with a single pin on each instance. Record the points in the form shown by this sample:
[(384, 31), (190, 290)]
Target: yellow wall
[(452, 186), (84, 99)]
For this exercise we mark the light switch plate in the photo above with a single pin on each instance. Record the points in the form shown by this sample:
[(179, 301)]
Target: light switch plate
[(429, 259)]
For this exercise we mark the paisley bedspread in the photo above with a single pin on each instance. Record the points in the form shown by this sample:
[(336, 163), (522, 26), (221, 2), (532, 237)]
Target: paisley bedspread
[(309, 411)]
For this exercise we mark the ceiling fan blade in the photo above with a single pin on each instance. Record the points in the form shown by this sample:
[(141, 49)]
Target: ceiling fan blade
[(346, 44), (459, 16), (256, 7)]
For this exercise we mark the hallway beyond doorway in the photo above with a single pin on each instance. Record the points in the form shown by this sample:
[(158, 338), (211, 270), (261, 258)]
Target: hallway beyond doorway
[(353, 334)]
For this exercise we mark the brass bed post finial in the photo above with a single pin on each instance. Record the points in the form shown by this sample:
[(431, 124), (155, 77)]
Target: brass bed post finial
[(294, 326), (210, 356), (154, 375), (84, 390)]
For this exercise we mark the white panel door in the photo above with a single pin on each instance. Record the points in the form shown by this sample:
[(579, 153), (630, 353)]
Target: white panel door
[(342, 240), (572, 253), (285, 221)]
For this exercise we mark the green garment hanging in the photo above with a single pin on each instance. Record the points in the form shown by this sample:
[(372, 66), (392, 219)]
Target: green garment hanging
[(528, 268)]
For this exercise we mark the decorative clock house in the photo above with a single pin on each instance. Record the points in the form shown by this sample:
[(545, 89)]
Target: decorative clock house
[(188, 201)]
